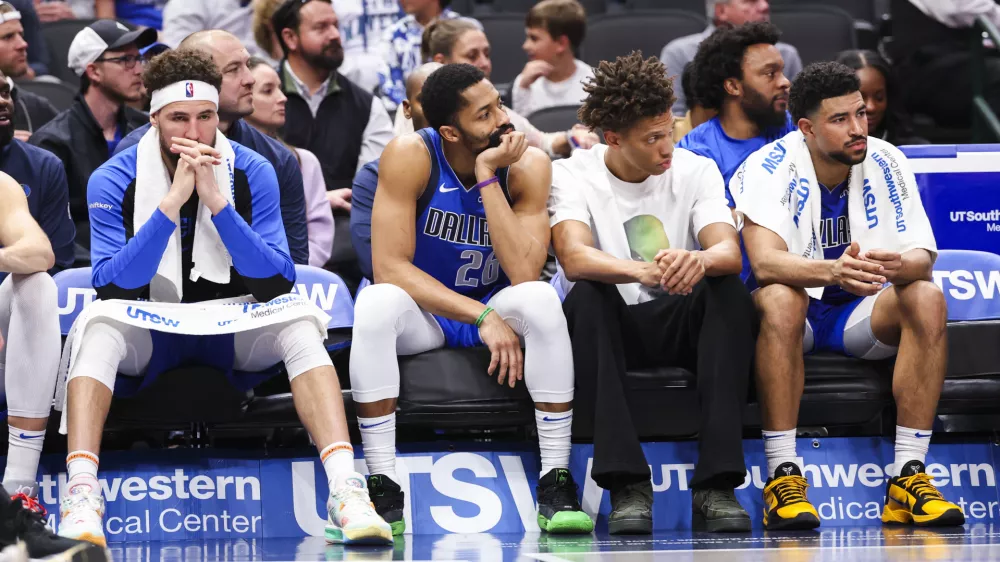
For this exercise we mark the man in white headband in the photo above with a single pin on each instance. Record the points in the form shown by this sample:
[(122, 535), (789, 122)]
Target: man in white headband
[(224, 197)]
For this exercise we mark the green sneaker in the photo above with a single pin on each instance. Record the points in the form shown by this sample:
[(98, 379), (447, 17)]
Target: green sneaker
[(559, 509), (387, 497)]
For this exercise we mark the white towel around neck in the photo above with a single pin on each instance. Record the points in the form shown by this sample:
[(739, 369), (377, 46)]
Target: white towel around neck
[(209, 255), (776, 188)]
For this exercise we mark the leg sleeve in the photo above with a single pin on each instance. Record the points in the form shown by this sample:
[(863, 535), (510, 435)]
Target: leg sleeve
[(296, 343), (535, 314), (387, 323), (29, 321), (859, 340), (110, 347)]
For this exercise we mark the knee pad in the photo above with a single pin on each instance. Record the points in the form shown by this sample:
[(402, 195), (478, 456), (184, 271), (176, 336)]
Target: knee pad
[(859, 340), (379, 307), (101, 352), (302, 348), (535, 304)]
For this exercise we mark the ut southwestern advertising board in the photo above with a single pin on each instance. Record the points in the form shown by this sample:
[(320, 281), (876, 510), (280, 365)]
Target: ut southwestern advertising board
[(187, 496)]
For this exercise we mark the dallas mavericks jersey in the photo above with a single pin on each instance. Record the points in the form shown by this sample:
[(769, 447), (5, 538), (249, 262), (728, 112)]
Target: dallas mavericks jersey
[(453, 240)]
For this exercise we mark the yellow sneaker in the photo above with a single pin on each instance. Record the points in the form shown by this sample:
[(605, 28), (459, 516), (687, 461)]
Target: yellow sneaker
[(911, 499), (785, 503)]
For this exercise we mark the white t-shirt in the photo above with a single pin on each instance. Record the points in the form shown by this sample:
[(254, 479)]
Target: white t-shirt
[(665, 211), (544, 93)]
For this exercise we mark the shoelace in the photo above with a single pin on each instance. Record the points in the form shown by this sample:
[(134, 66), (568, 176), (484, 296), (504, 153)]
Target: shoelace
[(920, 485), (76, 501), (30, 503), (720, 499), (562, 494), (25, 517), (791, 489), (355, 498), (632, 495)]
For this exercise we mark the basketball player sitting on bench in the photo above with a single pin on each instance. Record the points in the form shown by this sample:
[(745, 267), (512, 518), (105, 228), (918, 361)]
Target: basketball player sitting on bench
[(459, 238)]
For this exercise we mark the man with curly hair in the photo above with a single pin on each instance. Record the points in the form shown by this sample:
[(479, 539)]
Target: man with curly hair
[(739, 73), (643, 230), (832, 216), (189, 223)]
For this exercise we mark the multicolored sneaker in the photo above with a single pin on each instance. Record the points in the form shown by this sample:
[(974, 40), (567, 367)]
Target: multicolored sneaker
[(911, 499), (82, 512), (22, 521), (388, 499), (785, 504), (353, 519), (559, 509)]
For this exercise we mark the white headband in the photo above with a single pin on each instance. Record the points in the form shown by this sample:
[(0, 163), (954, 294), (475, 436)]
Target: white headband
[(186, 90), (12, 15)]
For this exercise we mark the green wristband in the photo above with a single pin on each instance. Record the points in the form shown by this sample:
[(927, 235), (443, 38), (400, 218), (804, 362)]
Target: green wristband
[(483, 316)]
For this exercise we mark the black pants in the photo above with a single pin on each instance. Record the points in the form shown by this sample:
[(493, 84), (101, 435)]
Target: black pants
[(938, 82), (711, 331)]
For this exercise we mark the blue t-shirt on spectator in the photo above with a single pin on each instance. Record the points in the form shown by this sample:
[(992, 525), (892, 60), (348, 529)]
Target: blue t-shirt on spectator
[(145, 13), (710, 141)]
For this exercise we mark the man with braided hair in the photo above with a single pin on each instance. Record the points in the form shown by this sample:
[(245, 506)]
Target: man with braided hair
[(643, 230)]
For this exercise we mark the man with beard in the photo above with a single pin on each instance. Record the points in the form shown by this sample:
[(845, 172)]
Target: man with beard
[(37, 237), (823, 287), (327, 114), (105, 55), (738, 72), (459, 238), (33, 110), (235, 103)]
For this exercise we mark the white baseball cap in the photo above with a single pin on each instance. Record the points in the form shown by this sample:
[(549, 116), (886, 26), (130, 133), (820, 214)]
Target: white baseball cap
[(91, 42)]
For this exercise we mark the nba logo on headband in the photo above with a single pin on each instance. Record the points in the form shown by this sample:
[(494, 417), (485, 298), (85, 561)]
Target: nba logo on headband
[(189, 89)]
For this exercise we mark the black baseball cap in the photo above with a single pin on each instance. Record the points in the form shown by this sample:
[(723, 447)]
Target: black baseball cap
[(102, 35)]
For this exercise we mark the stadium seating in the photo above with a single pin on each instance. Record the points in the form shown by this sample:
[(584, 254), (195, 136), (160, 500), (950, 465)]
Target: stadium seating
[(611, 36), (58, 35), (818, 32), (555, 119), (60, 94), (506, 35)]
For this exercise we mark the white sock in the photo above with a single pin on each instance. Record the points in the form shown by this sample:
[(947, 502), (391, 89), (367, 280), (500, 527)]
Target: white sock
[(554, 433), (779, 447), (25, 447), (911, 445), (82, 464), (338, 458), (378, 435)]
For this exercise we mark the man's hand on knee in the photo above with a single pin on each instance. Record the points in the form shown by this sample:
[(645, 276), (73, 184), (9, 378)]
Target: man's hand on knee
[(505, 349)]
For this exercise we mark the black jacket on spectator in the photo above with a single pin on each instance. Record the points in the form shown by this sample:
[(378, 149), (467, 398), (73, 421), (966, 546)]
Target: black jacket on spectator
[(335, 134), (286, 165), (76, 138), (38, 51), (31, 111)]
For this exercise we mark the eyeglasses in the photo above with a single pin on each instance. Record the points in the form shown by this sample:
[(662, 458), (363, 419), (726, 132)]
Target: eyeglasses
[(127, 61)]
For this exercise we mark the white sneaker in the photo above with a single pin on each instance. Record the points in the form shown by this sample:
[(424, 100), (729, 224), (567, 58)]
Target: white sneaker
[(81, 514), (352, 518)]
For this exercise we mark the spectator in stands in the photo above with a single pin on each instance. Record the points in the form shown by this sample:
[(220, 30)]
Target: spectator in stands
[(400, 45), (820, 292), (930, 48), (698, 113), (643, 230), (38, 52), (268, 117), (33, 111), (887, 118), (438, 288), (553, 75), (29, 328), (362, 25), (57, 10), (739, 72), (462, 41), (344, 126), (724, 13), (235, 103), (105, 55), (142, 13), (184, 17), (175, 175), (263, 33), (365, 181)]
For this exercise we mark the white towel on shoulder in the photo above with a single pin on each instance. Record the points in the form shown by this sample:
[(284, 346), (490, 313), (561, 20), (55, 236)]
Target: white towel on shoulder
[(776, 188), (211, 259)]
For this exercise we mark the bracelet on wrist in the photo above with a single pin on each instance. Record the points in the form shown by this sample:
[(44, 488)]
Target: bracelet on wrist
[(483, 316), (487, 182)]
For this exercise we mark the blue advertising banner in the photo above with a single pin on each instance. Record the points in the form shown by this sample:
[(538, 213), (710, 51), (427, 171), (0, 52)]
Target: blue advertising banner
[(185, 495), (960, 189)]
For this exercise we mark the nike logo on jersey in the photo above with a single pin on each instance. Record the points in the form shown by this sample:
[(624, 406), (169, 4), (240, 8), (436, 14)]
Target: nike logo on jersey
[(443, 189)]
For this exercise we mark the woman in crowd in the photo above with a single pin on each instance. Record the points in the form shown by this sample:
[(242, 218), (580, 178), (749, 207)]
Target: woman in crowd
[(268, 116), (887, 119)]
